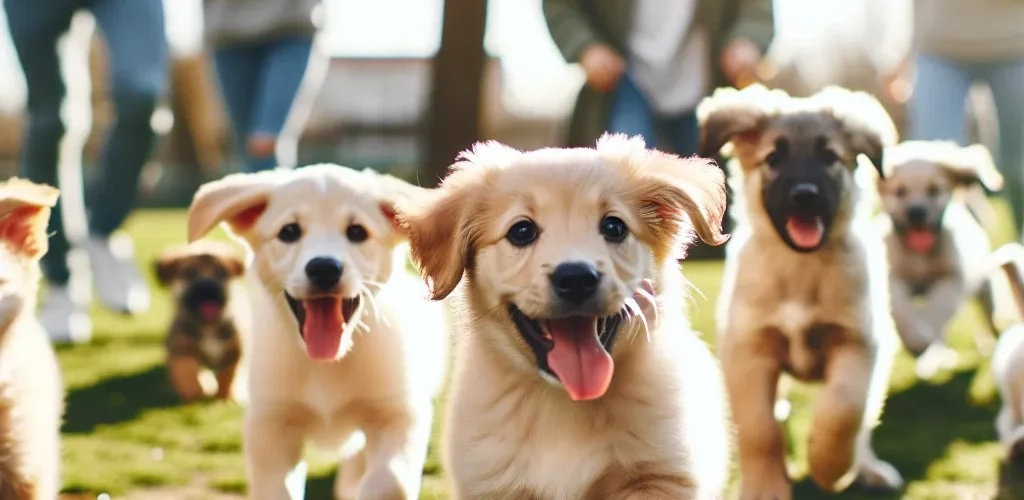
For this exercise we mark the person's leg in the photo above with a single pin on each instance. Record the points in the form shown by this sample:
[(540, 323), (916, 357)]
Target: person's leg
[(938, 103), (238, 72), (137, 44), (280, 79), (35, 28), (1007, 83), (630, 112)]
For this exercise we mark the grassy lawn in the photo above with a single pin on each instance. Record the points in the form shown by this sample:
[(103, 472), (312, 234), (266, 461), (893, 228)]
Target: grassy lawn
[(126, 435)]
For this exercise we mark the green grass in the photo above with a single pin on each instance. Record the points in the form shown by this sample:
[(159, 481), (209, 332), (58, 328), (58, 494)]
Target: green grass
[(126, 435)]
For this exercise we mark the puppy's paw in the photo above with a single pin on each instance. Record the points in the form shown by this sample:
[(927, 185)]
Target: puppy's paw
[(773, 489), (880, 476), (936, 358), (382, 484)]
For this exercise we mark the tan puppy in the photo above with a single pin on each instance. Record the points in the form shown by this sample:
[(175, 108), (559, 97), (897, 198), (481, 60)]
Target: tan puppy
[(209, 316), (343, 339), (31, 391), (1008, 358), (805, 286), (559, 390), (937, 249)]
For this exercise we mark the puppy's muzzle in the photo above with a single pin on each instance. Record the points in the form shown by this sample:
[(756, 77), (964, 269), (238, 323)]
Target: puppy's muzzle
[(324, 273), (575, 282), (917, 216), (204, 291), (805, 197)]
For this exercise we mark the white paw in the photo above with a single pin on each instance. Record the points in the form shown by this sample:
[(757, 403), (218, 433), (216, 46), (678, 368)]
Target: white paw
[(935, 359), (880, 476)]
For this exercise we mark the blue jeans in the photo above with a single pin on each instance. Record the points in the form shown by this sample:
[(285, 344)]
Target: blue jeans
[(259, 82), (937, 112), (632, 115), (137, 44)]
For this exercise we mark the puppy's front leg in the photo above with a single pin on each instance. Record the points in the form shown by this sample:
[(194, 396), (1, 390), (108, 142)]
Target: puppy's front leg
[(838, 416), (944, 299), (751, 377), (394, 456), (272, 449), (914, 331)]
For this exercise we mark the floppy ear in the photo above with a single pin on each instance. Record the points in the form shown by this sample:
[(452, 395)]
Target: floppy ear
[(678, 195), (392, 192), (866, 124), (440, 239), (973, 164), (728, 115), (166, 268), (237, 199), (24, 214), (234, 265)]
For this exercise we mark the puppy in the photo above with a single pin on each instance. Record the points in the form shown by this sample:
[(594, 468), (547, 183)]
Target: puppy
[(563, 386), (31, 390), (805, 284), (1008, 359), (937, 249), (343, 339), (205, 330)]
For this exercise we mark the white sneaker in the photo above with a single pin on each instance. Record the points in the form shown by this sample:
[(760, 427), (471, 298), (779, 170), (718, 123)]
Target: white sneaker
[(117, 280), (65, 317)]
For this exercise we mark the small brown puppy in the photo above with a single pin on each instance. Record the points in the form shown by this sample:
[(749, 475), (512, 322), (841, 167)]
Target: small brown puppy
[(205, 330), (805, 285), (31, 391), (937, 248)]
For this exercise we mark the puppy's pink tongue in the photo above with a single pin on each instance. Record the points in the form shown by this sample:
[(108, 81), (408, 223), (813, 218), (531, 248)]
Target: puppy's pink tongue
[(920, 240), (323, 327), (583, 366), (209, 311), (805, 232)]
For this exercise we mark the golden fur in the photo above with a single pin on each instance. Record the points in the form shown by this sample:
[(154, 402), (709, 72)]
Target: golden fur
[(659, 431), (31, 391), (389, 364), (821, 316), (194, 342), (934, 177)]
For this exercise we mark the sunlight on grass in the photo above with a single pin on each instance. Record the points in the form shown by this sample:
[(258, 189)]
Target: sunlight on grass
[(125, 431)]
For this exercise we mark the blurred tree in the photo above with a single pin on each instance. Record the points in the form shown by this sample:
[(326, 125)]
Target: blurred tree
[(453, 123)]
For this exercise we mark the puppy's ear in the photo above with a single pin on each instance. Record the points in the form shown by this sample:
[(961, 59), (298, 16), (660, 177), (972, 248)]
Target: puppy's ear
[(234, 265), (393, 192), (868, 128), (677, 197), (236, 199), (973, 164), (440, 231), (166, 268), (24, 214), (732, 115)]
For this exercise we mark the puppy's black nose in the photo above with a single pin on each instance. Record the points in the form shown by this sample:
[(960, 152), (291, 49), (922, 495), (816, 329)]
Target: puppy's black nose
[(323, 272), (804, 195), (203, 291), (917, 215), (575, 281)]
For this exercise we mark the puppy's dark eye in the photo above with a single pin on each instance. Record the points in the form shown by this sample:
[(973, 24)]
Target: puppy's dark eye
[(522, 233), (900, 192), (356, 233), (774, 159), (933, 191), (290, 233), (190, 273), (613, 229), (829, 157)]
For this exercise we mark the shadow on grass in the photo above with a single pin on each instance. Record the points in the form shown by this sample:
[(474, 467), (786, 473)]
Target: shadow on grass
[(117, 399), (918, 426), (321, 486)]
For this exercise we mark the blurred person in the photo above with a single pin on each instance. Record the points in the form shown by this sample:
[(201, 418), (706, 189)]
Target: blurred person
[(137, 58), (957, 43), (262, 51), (649, 62)]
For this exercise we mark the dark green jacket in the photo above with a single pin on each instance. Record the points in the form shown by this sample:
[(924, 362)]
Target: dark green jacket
[(575, 24)]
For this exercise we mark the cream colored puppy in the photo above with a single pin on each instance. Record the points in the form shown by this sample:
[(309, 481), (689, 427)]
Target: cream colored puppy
[(1008, 359), (343, 339), (31, 391), (563, 387), (805, 290)]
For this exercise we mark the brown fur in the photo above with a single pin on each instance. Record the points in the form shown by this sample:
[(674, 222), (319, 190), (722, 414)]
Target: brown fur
[(194, 343), (31, 392), (1007, 367), (821, 316), (658, 431)]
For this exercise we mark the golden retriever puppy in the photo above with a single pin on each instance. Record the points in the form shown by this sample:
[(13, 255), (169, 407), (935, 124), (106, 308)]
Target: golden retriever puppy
[(205, 332), (1008, 357), (564, 387), (937, 248), (343, 339), (805, 290), (31, 391)]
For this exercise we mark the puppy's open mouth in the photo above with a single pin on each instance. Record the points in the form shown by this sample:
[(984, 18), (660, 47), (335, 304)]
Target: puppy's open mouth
[(574, 350), (920, 241), (322, 321), (805, 231)]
